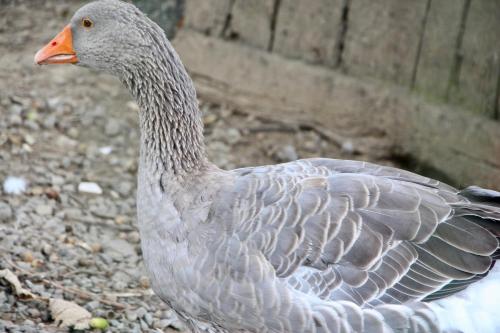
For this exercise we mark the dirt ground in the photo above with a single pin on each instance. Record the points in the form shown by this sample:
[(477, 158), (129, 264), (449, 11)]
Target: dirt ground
[(64, 125)]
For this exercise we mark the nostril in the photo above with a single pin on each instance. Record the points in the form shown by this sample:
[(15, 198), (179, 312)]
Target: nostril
[(53, 43)]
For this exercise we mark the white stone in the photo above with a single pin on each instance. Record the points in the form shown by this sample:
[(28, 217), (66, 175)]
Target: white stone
[(14, 185), (106, 150), (89, 187)]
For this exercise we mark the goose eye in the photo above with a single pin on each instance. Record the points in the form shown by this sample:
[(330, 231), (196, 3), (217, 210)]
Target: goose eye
[(87, 23)]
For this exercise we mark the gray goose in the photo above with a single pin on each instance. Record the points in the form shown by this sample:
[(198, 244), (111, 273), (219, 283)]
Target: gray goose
[(316, 245)]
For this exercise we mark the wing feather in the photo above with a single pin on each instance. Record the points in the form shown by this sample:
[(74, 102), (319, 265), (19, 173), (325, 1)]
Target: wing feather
[(368, 234)]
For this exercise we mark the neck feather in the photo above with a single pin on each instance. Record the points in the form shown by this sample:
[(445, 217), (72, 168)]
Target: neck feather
[(170, 120)]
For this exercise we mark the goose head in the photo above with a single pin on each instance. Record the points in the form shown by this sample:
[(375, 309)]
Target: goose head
[(109, 35)]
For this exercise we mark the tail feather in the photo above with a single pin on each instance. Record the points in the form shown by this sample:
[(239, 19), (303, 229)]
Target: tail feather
[(478, 194)]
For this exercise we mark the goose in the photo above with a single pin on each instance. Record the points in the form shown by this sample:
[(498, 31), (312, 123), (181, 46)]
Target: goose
[(315, 245)]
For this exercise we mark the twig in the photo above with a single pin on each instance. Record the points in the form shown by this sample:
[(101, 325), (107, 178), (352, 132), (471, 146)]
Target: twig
[(80, 293), (148, 292), (123, 227), (79, 271)]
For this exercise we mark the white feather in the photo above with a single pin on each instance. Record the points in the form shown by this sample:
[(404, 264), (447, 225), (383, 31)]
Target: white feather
[(474, 310)]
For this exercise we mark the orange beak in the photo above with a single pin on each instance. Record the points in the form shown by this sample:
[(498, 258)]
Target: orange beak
[(59, 50)]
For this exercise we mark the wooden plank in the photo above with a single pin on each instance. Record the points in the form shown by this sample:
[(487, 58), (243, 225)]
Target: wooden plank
[(251, 22), (309, 30), (374, 116), (438, 48), (382, 38), (479, 71), (207, 16)]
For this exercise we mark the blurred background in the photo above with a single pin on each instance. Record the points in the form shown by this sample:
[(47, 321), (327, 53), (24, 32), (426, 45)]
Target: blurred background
[(413, 84)]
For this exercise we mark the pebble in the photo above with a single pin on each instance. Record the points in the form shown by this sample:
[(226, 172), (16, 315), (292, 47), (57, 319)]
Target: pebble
[(131, 315), (232, 136), (93, 305), (14, 185), (96, 247), (5, 212), (121, 246), (286, 154), (84, 262), (73, 133), (133, 237), (112, 127), (178, 325), (209, 119), (141, 312), (90, 188), (144, 282), (163, 323), (133, 106), (106, 150), (27, 256), (144, 325), (347, 147), (44, 210), (120, 219), (47, 249), (124, 188), (148, 318)]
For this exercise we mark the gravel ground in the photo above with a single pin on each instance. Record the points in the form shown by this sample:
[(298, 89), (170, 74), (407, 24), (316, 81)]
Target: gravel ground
[(63, 127)]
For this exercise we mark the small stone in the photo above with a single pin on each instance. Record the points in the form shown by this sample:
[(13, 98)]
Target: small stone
[(65, 142), (46, 249), (28, 322), (168, 314), (131, 315), (148, 318), (14, 185), (124, 188), (133, 237), (163, 324), (120, 246), (34, 313), (144, 326), (36, 190), (133, 106), (144, 282), (141, 312), (89, 187), (27, 256), (209, 119), (106, 150), (84, 262), (29, 139), (120, 219), (57, 180), (5, 212), (286, 154), (96, 247), (178, 325), (49, 121), (37, 263), (91, 306), (347, 147), (121, 277), (232, 135), (112, 128), (73, 133), (43, 210)]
